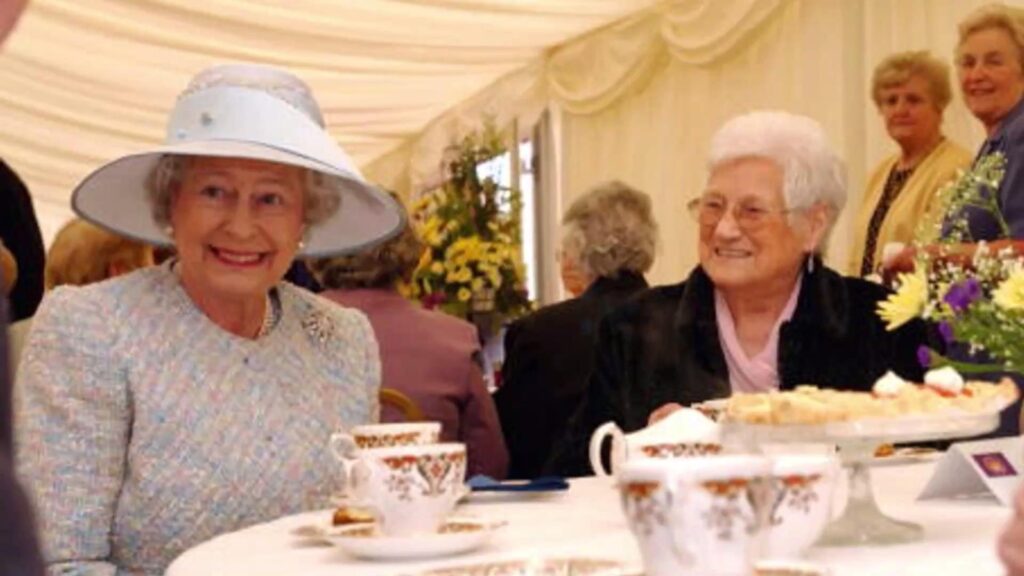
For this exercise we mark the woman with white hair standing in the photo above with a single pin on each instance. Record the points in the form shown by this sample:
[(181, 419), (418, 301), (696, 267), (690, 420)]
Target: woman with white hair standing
[(161, 408), (761, 312)]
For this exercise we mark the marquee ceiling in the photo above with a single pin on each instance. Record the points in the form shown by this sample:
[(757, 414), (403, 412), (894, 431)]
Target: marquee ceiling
[(83, 81)]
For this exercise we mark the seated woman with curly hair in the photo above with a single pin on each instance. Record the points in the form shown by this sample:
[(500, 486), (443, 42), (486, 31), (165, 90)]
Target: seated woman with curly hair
[(609, 235), (429, 356)]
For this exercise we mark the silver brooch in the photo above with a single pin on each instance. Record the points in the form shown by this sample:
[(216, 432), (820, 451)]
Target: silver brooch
[(319, 327)]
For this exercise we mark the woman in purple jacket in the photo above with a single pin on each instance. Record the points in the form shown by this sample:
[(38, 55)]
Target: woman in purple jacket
[(431, 357)]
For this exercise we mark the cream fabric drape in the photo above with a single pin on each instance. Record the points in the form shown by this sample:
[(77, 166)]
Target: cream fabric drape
[(813, 57), (635, 98), (84, 81), (640, 99)]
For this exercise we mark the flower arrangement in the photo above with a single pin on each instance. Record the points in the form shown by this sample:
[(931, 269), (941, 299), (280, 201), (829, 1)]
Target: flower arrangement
[(978, 302), (473, 264)]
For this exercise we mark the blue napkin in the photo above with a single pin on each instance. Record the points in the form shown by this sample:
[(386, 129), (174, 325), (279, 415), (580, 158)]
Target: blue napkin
[(482, 483)]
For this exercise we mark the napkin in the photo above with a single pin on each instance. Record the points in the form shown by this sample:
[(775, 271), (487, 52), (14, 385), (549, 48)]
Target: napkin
[(482, 483)]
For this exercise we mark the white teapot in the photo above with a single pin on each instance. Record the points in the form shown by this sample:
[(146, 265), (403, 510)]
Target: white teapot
[(683, 433)]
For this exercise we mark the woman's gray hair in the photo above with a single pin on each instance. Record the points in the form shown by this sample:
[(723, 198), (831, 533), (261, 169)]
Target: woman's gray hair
[(321, 197), (999, 16), (611, 229), (811, 172)]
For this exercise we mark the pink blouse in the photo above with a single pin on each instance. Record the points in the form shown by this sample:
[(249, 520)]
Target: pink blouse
[(758, 373)]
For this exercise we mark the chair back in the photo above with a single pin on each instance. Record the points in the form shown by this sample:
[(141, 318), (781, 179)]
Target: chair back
[(404, 404)]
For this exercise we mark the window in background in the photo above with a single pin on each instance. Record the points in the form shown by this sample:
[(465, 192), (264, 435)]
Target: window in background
[(500, 169)]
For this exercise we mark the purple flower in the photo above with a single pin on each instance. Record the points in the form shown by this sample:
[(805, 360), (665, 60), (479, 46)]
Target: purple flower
[(924, 356), (946, 330), (962, 294)]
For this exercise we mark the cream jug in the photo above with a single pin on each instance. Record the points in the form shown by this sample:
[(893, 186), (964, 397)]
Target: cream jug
[(685, 432)]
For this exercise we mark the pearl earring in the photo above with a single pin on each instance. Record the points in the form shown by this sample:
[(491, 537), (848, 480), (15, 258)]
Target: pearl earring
[(302, 245), (169, 231)]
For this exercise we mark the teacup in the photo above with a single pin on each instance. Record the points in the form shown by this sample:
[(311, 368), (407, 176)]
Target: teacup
[(801, 502), (383, 436), (684, 433), (409, 489), (697, 516)]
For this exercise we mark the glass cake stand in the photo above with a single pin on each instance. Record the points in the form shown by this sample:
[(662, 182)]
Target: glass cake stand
[(863, 522)]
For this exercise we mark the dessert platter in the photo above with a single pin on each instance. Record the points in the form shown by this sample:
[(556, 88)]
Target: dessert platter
[(895, 411)]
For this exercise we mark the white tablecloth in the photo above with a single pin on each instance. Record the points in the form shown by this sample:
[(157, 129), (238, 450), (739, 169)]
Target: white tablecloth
[(586, 521)]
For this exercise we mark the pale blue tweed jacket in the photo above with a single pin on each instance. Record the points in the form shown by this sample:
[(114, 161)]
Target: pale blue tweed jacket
[(144, 429)]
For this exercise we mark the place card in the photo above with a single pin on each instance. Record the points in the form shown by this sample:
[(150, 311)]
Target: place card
[(985, 467)]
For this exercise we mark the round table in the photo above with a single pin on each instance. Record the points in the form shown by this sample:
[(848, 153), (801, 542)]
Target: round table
[(586, 521)]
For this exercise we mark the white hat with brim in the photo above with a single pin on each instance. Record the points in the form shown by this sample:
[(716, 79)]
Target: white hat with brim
[(240, 122)]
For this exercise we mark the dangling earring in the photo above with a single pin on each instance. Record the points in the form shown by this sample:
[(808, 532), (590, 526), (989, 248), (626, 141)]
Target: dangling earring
[(302, 245), (169, 231), (810, 263)]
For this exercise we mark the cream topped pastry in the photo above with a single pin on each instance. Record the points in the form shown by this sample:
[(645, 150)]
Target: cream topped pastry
[(945, 380), (890, 384)]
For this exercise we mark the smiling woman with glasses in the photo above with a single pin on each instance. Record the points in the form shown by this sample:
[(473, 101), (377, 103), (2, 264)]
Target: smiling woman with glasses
[(760, 312)]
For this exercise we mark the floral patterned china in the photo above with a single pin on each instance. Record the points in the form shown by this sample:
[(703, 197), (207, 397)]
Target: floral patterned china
[(384, 436), (409, 490), (701, 516), (800, 507), (684, 433), (455, 536)]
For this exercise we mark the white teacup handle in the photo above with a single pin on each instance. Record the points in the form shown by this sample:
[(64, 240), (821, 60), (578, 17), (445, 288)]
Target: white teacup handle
[(360, 475), (343, 447), (597, 440)]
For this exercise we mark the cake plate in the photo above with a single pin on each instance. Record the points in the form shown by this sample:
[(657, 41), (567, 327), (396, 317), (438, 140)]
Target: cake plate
[(863, 522)]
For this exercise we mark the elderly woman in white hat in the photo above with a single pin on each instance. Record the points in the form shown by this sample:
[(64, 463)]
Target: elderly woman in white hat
[(166, 406)]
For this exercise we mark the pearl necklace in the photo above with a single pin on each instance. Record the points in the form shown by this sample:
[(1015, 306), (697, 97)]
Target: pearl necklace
[(270, 317)]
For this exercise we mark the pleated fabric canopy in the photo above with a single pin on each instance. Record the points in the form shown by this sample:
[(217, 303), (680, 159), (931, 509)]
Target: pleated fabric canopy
[(82, 82)]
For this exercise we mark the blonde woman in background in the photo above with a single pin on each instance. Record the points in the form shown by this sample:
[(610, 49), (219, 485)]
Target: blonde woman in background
[(910, 90), (83, 253)]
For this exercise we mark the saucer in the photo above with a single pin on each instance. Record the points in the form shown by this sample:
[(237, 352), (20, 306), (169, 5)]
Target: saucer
[(455, 536), (534, 567), (788, 568), (907, 455)]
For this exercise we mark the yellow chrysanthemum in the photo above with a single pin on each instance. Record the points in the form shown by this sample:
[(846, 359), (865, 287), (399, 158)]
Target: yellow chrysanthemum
[(437, 268), (907, 303), (1010, 294), (464, 295)]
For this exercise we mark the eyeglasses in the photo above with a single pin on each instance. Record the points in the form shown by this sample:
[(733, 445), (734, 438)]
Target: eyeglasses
[(709, 211)]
